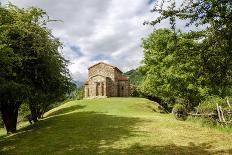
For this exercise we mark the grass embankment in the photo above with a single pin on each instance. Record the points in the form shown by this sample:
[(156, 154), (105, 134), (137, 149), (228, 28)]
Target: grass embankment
[(115, 126)]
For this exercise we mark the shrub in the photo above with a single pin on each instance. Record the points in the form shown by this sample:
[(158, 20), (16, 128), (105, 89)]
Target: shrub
[(210, 105), (229, 99), (23, 112), (1, 121), (228, 112), (79, 94), (179, 111), (134, 91), (204, 121)]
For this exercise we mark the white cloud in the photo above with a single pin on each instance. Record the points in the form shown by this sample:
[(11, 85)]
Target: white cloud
[(98, 30)]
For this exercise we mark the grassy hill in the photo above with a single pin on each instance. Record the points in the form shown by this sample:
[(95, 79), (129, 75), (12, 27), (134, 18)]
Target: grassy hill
[(114, 126)]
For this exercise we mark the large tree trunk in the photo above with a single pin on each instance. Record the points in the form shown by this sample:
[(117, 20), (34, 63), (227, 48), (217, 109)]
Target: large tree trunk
[(9, 117), (34, 113)]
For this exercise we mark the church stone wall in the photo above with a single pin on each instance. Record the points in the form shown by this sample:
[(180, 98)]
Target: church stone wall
[(103, 81), (117, 74), (103, 70), (123, 88)]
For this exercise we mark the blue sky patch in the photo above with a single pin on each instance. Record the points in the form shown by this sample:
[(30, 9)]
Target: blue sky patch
[(100, 57), (151, 1), (77, 50)]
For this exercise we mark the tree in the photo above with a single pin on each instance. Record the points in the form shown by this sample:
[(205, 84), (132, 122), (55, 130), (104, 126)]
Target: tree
[(168, 68), (13, 90), (32, 69), (216, 50), (47, 73), (203, 57)]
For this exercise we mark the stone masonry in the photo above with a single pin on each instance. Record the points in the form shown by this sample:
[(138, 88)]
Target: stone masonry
[(105, 80)]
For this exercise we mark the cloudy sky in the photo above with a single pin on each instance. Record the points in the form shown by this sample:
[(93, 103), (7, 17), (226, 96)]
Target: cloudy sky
[(98, 30)]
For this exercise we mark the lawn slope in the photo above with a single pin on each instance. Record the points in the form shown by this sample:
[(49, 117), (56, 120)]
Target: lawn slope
[(114, 126)]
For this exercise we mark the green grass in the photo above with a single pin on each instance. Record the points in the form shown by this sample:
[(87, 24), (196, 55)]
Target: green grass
[(114, 126)]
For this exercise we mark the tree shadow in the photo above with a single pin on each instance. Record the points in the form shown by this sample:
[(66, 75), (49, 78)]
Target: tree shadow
[(57, 112), (78, 133), (170, 149), (89, 133)]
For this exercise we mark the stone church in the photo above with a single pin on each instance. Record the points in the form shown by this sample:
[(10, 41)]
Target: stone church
[(105, 80)]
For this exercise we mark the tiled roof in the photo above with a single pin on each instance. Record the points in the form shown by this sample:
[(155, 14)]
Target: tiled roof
[(87, 82), (123, 78)]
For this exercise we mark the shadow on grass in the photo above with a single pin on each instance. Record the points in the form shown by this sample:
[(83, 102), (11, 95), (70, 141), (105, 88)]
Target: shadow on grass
[(80, 132), (170, 149), (87, 133), (66, 110), (58, 112)]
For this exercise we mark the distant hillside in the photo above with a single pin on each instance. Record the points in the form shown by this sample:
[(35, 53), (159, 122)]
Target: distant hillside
[(135, 77), (79, 84)]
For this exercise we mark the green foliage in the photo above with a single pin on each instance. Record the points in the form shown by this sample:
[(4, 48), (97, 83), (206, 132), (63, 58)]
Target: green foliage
[(23, 112), (207, 122), (229, 99), (179, 111), (135, 79), (134, 91), (191, 65), (210, 105), (171, 68), (1, 121), (32, 68), (135, 76), (79, 93)]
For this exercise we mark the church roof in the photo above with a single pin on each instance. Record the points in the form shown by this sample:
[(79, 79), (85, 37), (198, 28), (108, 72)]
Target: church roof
[(107, 65), (87, 82), (123, 78)]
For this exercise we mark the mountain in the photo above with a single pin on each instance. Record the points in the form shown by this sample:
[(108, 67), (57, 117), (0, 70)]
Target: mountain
[(135, 76), (78, 83)]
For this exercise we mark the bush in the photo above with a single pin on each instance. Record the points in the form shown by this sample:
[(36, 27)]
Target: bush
[(210, 105), (79, 93), (23, 112), (179, 111), (229, 99), (228, 108), (204, 121), (134, 91), (1, 121)]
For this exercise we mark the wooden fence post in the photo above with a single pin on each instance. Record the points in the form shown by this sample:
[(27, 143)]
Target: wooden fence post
[(222, 115), (219, 113), (227, 101)]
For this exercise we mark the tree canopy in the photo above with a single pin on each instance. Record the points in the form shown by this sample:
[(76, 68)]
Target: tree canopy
[(32, 68), (193, 65)]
